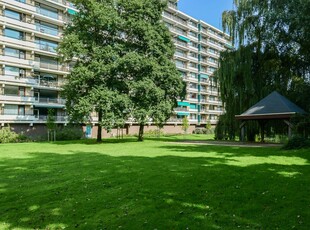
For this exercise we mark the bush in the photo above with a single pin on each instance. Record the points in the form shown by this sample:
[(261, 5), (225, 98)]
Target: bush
[(203, 131), (69, 133), (297, 142), (154, 133), (8, 136)]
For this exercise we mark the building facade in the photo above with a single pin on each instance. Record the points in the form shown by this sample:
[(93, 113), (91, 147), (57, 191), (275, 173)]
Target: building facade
[(31, 75), (198, 46)]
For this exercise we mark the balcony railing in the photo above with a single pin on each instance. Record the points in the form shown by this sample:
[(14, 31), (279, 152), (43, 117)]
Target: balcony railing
[(46, 47), (51, 100), (49, 31), (181, 109), (47, 13), (57, 118), (15, 113), (172, 5), (175, 120)]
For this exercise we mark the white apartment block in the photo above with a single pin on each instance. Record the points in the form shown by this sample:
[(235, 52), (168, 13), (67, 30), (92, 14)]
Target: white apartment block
[(198, 46), (31, 76)]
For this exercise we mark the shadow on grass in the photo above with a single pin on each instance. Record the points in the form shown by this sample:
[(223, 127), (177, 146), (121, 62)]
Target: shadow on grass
[(94, 141), (87, 190)]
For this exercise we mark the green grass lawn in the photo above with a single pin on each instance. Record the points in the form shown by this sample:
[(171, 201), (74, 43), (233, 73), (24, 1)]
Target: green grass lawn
[(152, 185)]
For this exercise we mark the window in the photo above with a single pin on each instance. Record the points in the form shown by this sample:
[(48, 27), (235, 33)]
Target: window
[(46, 79), (10, 109), (213, 60), (193, 44), (12, 14), (180, 53), (193, 75), (183, 74), (194, 55), (47, 11), (10, 90), (46, 28), (23, 1), (193, 95), (192, 85), (194, 24), (211, 69), (179, 30), (212, 107), (13, 34), (14, 53), (193, 116), (21, 110), (46, 45), (47, 63), (193, 65), (212, 31), (193, 34), (180, 64), (14, 71)]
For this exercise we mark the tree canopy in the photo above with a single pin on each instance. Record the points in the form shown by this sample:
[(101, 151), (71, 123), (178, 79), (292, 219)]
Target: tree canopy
[(272, 53), (124, 67)]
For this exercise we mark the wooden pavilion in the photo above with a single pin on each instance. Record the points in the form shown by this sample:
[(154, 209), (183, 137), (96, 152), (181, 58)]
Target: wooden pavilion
[(273, 107)]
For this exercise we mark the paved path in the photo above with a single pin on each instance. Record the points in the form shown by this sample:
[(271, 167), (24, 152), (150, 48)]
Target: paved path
[(229, 143)]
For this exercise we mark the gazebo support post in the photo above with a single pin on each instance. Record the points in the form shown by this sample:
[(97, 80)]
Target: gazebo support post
[(262, 124), (290, 126), (242, 127)]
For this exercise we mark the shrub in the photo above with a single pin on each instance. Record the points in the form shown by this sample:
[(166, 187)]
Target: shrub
[(203, 131), (22, 138), (7, 135), (154, 133), (69, 133), (198, 131), (297, 142)]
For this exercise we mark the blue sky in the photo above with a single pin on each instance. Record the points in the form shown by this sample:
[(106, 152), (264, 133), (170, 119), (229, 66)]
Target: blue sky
[(209, 11)]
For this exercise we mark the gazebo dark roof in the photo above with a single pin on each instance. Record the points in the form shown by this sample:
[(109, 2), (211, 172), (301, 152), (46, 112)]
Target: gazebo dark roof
[(274, 106)]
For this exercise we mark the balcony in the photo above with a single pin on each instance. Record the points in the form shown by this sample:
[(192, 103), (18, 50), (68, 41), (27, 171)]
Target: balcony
[(173, 6), (181, 44), (47, 48), (175, 120), (192, 99), (42, 102), (57, 118), (48, 84), (22, 63), (16, 98), (17, 23), (47, 100), (175, 19), (192, 89), (20, 5), (48, 31), (181, 109), (50, 67), (16, 79), (16, 118), (16, 42)]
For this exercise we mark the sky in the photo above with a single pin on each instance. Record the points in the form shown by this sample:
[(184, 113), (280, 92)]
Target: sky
[(209, 11)]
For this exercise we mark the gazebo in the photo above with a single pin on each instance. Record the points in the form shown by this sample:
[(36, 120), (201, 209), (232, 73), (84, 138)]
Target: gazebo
[(273, 107)]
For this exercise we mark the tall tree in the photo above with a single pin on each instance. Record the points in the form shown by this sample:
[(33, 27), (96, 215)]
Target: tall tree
[(272, 54), (123, 63)]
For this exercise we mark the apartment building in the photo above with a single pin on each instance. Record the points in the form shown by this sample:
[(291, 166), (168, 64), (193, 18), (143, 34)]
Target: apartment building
[(31, 76), (198, 46)]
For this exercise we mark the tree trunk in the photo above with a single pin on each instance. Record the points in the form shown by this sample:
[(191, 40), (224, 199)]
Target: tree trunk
[(141, 131), (99, 133)]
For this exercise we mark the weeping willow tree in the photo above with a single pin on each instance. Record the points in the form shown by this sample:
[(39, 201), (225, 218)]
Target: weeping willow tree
[(272, 54)]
